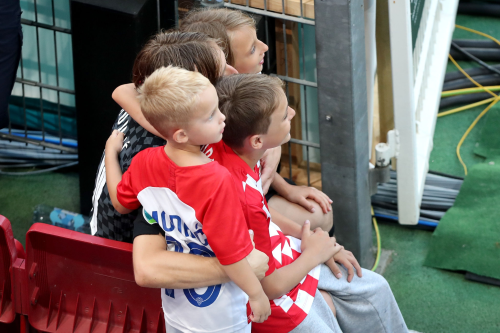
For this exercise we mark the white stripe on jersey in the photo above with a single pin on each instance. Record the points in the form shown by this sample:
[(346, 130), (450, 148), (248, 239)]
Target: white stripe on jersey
[(101, 177)]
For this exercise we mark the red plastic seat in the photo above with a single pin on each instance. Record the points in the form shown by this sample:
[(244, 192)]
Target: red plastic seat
[(8, 258), (82, 283)]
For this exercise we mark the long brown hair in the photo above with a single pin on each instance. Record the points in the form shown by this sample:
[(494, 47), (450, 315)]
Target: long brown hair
[(218, 24), (189, 50)]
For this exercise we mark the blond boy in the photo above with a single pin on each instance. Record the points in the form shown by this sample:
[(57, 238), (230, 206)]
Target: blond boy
[(192, 199)]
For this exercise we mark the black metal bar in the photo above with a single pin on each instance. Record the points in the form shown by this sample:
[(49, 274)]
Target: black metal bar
[(38, 143), (269, 13), (58, 92), (45, 26), (45, 86), (286, 53), (268, 64), (308, 167), (305, 105), (343, 121), (39, 71), (24, 97)]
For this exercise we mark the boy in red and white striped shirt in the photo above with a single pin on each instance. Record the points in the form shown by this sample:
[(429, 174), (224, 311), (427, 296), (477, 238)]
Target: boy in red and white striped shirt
[(258, 118)]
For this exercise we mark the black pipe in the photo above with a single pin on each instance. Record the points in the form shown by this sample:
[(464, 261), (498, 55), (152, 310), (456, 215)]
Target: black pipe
[(471, 71), (475, 43), (480, 9), (484, 54), (463, 99), (484, 80)]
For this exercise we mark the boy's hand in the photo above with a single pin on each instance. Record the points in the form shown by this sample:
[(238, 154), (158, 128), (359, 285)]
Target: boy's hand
[(258, 260), (300, 194), (318, 244), (115, 142), (347, 259), (269, 163), (261, 309)]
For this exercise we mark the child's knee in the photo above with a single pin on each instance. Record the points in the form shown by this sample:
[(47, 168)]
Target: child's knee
[(378, 282), (320, 219)]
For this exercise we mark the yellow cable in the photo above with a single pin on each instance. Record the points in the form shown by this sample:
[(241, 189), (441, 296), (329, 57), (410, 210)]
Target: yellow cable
[(478, 33), (375, 225), (465, 91), (494, 101), (466, 107), (470, 78), (470, 129)]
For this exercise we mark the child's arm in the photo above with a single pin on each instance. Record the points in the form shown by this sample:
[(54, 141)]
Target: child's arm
[(300, 194), (241, 274), (126, 96), (317, 248), (287, 226), (269, 163), (113, 170)]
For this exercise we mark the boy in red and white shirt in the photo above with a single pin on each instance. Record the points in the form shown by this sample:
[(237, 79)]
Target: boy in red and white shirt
[(258, 118), (192, 199)]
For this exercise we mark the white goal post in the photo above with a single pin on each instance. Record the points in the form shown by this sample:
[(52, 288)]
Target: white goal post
[(417, 76)]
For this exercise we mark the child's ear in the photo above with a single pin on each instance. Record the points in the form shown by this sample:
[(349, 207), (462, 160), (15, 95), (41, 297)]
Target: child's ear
[(256, 142), (180, 136)]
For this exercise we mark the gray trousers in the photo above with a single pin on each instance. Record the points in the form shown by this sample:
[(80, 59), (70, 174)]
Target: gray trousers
[(364, 305)]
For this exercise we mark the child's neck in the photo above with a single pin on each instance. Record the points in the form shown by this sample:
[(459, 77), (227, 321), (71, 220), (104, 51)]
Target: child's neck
[(250, 156), (185, 154)]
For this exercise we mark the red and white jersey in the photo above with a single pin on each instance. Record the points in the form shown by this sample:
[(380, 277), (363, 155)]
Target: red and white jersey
[(291, 309), (199, 210)]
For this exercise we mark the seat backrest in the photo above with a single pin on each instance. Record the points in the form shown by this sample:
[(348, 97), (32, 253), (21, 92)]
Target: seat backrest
[(83, 283), (8, 255)]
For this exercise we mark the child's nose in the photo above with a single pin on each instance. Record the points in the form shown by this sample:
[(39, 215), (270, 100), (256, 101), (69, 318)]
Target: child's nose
[(264, 47), (223, 117), (292, 112)]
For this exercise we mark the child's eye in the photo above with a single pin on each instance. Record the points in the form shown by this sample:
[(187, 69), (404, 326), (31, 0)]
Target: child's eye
[(253, 50), (211, 116)]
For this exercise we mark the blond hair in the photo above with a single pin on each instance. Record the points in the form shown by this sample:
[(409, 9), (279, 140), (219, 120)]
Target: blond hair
[(247, 101), (219, 24), (168, 96)]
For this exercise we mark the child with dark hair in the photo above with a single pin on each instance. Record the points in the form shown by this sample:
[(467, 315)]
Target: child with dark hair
[(305, 295)]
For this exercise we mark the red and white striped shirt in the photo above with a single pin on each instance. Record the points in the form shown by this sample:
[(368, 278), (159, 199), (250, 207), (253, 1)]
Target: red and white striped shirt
[(291, 309)]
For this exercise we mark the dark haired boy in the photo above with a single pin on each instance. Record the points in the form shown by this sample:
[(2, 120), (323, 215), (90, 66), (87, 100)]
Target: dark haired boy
[(258, 118)]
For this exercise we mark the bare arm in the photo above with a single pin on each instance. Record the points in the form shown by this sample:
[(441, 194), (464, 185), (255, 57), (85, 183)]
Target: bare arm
[(317, 248), (300, 194), (269, 163), (155, 267), (241, 274), (126, 96), (113, 170), (287, 226)]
